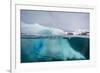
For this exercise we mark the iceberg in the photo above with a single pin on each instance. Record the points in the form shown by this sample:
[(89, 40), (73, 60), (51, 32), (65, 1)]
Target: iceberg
[(50, 48), (37, 29)]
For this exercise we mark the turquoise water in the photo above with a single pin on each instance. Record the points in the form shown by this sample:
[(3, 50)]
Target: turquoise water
[(44, 49)]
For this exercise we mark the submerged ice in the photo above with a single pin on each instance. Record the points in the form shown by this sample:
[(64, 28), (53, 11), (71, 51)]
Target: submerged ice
[(46, 49)]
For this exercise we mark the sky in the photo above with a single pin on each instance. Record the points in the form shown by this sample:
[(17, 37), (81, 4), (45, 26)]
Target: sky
[(67, 21)]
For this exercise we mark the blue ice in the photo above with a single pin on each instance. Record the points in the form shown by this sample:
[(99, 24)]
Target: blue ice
[(47, 49)]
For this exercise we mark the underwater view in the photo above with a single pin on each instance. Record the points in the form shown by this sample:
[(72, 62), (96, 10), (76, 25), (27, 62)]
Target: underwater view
[(48, 36), (41, 49)]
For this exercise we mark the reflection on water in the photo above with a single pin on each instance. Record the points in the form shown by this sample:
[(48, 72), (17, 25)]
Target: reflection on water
[(58, 48)]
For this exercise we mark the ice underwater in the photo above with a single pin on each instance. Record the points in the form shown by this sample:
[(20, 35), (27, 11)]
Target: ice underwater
[(46, 49)]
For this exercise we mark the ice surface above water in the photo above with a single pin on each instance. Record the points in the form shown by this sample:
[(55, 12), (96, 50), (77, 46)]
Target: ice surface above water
[(37, 29)]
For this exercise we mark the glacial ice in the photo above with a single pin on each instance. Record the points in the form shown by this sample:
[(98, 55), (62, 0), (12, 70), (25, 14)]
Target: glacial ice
[(37, 29), (46, 49)]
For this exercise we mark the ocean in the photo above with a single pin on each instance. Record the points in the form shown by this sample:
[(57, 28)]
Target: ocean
[(54, 48)]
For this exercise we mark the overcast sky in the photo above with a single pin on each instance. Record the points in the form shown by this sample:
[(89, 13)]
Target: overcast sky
[(67, 21)]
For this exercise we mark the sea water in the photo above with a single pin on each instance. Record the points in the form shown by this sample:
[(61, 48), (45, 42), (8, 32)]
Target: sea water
[(54, 48)]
